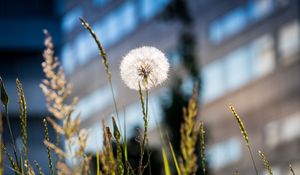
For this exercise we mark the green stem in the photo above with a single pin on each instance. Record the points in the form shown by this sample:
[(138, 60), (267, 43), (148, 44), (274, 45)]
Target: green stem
[(145, 118), (251, 155), (115, 103), (11, 137)]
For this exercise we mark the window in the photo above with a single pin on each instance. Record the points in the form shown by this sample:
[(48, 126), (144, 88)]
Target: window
[(289, 42), (272, 132), (228, 25), (234, 22), (213, 80), (263, 55), (258, 9), (216, 32), (68, 61), (221, 154), (90, 104), (129, 20), (238, 68), (290, 128), (70, 20), (149, 8), (100, 2), (284, 130), (239, 18), (110, 29), (117, 24), (85, 47)]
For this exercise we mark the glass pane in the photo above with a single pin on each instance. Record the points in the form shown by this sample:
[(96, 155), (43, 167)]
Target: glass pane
[(70, 20), (289, 41), (263, 55), (216, 32), (234, 22), (258, 9), (91, 104), (150, 8), (68, 60), (129, 19), (213, 80), (224, 153), (238, 68)]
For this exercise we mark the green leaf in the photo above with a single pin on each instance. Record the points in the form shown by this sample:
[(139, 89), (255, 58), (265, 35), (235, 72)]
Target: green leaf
[(4, 96)]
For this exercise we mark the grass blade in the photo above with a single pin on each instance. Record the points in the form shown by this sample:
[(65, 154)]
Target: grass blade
[(174, 158), (98, 163), (166, 162)]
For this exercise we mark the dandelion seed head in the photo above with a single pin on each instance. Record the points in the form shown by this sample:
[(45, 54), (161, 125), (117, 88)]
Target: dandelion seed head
[(145, 65)]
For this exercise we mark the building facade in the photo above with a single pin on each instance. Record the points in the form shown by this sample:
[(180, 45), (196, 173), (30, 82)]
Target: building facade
[(249, 56)]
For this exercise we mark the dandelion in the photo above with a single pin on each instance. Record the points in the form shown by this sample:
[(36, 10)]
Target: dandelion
[(145, 65)]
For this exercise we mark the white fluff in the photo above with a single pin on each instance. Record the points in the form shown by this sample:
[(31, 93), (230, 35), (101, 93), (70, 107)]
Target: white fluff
[(146, 65)]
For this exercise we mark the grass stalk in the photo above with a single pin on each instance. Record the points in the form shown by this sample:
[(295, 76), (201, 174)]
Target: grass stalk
[(23, 119), (38, 167), (108, 74), (12, 162), (105, 62), (120, 166), (202, 148), (5, 101), (266, 162), (291, 169), (244, 134), (48, 148)]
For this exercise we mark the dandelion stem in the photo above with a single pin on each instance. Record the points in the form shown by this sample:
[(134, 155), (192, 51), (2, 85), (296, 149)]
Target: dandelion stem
[(145, 118)]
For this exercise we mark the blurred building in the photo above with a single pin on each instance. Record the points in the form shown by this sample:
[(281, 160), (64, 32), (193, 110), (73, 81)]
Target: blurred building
[(249, 54), (21, 48)]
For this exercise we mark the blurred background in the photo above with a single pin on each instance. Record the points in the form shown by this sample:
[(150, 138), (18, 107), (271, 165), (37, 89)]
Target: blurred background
[(241, 52)]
